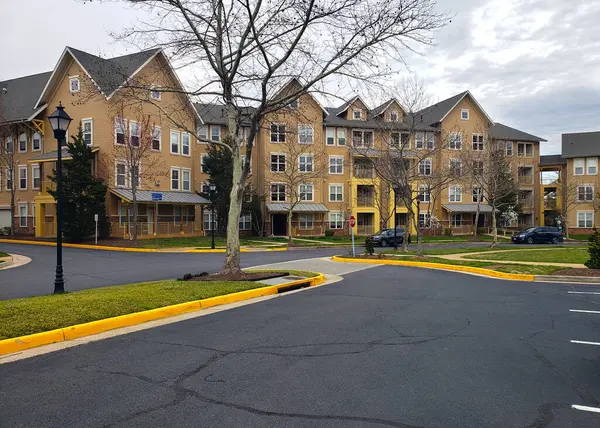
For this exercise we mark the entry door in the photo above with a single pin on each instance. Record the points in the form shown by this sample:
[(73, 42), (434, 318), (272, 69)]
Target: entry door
[(150, 221), (279, 224)]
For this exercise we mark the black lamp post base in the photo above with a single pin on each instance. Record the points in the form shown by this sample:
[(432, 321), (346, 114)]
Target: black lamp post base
[(59, 282)]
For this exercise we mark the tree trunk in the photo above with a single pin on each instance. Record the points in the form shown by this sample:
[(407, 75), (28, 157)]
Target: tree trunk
[(134, 201), (565, 227), (406, 232), (415, 220), (12, 208), (289, 226), (494, 227), (476, 220)]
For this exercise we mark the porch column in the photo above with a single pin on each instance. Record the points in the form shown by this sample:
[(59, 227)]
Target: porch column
[(40, 219), (181, 219)]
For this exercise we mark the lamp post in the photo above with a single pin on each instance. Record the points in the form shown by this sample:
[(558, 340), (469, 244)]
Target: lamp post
[(212, 188), (59, 121), (395, 222)]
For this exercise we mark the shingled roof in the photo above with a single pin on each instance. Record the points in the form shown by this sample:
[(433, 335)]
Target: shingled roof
[(581, 144), (499, 131), (214, 114), (18, 96)]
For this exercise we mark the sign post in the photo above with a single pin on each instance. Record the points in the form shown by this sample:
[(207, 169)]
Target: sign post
[(352, 224), (96, 220), (156, 198)]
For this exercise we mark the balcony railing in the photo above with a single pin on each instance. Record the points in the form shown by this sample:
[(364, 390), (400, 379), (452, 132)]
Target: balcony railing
[(525, 179), (526, 202), (551, 204), (365, 230), (364, 200), (362, 172)]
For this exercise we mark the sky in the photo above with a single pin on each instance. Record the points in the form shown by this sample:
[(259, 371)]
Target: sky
[(532, 64)]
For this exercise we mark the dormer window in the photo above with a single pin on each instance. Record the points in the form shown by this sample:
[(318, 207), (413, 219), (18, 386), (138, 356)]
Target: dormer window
[(74, 84), (464, 114), (357, 114), (394, 116), (154, 94)]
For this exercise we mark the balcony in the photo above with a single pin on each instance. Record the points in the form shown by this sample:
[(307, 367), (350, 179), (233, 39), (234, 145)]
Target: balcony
[(365, 196), (363, 169), (550, 204)]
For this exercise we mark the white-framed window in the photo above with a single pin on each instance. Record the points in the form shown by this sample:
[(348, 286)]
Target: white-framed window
[(9, 179), (455, 141), (277, 162), (155, 94), (175, 178), (306, 192), (509, 148), (186, 179), (336, 193), (185, 144), (205, 188), (120, 174), (202, 134), (87, 126), (8, 144), (336, 164), (424, 193), (120, 126), (424, 218), (245, 221), (585, 193), (215, 133), (305, 163), (395, 140), (420, 140), (180, 214), (306, 134), (405, 140), (22, 177), (456, 220), (336, 220), (341, 136), (74, 84), (477, 142), (455, 167), (455, 194), (36, 142), (306, 221), (357, 114), (585, 219), (277, 133), (23, 143), (277, 192), (134, 133), (425, 167), (330, 135), (35, 177), (464, 114), (592, 166), (394, 116), (477, 194), (209, 222), (362, 139), (156, 138), (430, 139), (578, 166), (23, 214), (203, 157), (174, 142)]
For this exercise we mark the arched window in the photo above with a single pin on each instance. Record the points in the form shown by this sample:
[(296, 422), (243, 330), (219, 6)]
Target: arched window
[(36, 142), (22, 143), (8, 147)]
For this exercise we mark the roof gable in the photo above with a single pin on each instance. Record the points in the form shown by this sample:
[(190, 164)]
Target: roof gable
[(295, 82), (379, 110), (344, 107), (437, 112), (19, 96)]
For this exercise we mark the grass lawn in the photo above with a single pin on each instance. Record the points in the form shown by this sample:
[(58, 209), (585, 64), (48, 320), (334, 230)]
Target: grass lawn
[(578, 237), (205, 241), (459, 238), (570, 255), (3, 255), (444, 251)]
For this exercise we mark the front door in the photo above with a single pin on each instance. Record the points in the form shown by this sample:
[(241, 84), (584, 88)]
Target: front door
[(279, 224), (150, 212)]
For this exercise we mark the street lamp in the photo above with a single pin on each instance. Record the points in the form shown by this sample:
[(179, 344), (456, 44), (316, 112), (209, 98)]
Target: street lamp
[(395, 216), (59, 121), (212, 188)]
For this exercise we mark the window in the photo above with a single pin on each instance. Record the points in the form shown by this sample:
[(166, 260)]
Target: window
[(525, 149), (430, 140), (509, 148), (154, 94), (395, 140), (185, 144), (306, 134), (425, 167), (424, 193), (120, 174), (174, 178), (477, 168), (9, 181), (36, 142), (175, 142), (22, 143), (180, 214), (22, 178), (186, 179), (74, 84), (464, 114), (357, 114), (405, 140), (455, 167), (120, 125), (134, 133), (336, 164), (277, 133), (585, 219), (456, 220), (341, 136), (277, 162), (419, 140), (203, 134), (87, 127), (336, 220), (362, 139), (305, 163), (23, 215), (592, 166), (424, 219), (306, 221), (330, 132), (8, 144), (215, 133), (209, 222), (477, 142), (455, 194), (394, 116), (306, 192), (156, 138), (35, 174), (277, 192), (245, 221), (585, 193), (578, 166), (477, 194), (455, 141), (336, 193), (203, 157)]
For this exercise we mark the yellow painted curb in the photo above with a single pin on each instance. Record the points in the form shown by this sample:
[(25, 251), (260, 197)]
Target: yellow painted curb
[(16, 344), (442, 266)]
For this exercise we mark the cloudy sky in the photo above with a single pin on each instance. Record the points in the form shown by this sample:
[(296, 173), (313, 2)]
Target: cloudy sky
[(532, 64)]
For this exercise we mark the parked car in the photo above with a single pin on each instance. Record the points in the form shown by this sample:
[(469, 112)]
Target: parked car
[(534, 235), (385, 237)]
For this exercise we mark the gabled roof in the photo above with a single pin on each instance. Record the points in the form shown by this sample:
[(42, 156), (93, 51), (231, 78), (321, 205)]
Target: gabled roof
[(18, 97), (341, 109), (214, 114), (336, 119), (437, 112), (581, 144), (383, 107), (297, 81), (499, 131)]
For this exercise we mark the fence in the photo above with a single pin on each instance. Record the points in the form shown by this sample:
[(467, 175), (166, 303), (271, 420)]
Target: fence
[(148, 229)]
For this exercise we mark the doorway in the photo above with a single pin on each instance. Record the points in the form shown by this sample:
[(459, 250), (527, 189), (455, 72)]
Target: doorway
[(279, 224)]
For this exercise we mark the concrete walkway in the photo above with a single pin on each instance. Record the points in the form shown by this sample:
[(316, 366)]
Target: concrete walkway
[(322, 265), (467, 257)]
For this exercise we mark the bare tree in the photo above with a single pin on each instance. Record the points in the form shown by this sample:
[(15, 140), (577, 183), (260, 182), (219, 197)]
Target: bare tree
[(248, 50), (8, 162), (571, 197)]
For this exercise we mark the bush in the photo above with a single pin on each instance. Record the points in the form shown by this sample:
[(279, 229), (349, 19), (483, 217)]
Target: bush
[(481, 230), (447, 231), (5, 231), (369, 247), (329, 232), (594, 250)]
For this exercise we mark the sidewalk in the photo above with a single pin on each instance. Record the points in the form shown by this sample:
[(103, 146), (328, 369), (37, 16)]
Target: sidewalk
[(322, 265)]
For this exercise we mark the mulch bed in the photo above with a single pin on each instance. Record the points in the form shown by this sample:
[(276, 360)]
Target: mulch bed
[(578, 272), (241, 276)]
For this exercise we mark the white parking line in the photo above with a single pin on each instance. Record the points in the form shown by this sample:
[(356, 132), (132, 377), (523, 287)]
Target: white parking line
[(586, 408), (584, 292), (584, 311), (582, 342)]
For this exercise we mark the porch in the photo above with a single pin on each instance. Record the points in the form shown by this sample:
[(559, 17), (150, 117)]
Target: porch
[(308, 219), (460, 218)]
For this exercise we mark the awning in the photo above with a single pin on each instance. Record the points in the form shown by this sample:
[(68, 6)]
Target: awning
[(168, 197), (53, 156), (467, 208), (299, 208)]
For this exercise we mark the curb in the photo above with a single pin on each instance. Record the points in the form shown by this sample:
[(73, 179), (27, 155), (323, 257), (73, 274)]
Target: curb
[(16, 344), (441, 266), (568, 279)]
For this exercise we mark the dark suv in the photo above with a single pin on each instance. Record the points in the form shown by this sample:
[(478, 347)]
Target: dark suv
[(385, 237), (552, 235)]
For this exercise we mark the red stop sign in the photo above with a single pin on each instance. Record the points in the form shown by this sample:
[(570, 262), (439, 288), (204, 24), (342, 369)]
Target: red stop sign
[(352, 221)]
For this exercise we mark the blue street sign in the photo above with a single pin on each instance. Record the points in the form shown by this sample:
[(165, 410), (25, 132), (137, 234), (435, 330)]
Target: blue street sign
[(156, 197)]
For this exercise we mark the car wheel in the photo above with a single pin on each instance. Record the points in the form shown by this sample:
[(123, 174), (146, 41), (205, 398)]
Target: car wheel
[(554, 240), (383, 243), (530, 240), (400, 241)]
